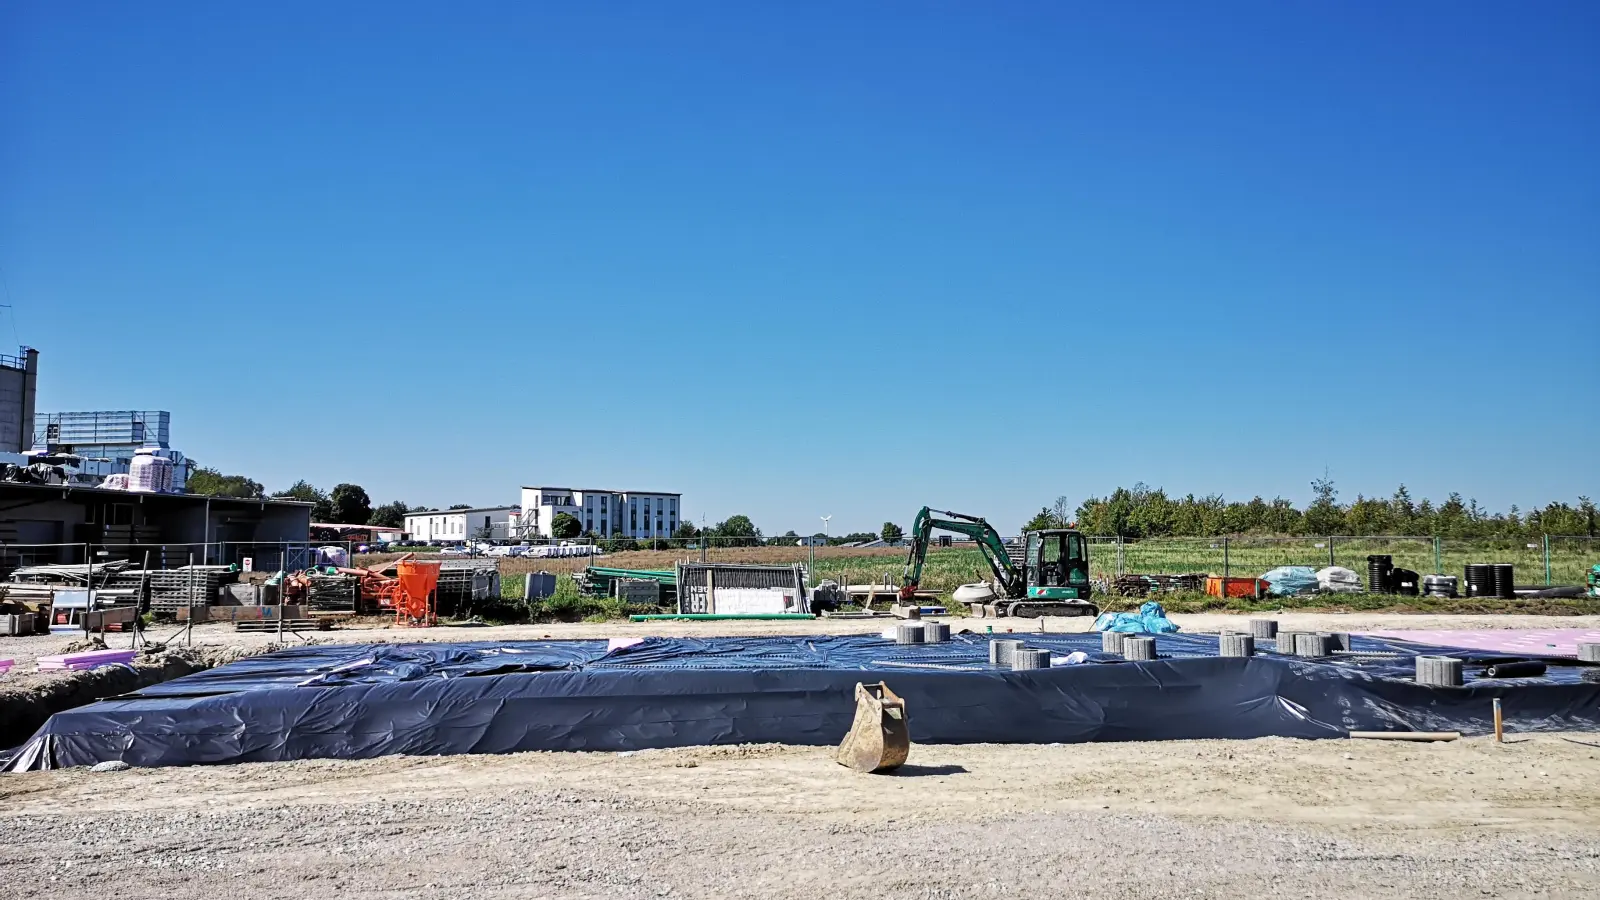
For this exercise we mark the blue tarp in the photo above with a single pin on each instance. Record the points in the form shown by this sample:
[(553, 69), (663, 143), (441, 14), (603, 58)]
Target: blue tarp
[(1287, 580), (1150, 619), (361, 701)]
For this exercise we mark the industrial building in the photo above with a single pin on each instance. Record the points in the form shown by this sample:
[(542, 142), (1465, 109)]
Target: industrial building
[(19, 382), (108, 440), (635, 514), (489, 523), (52, 523)]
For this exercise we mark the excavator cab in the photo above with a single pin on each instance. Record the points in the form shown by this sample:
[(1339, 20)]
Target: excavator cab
[(1056, 565)]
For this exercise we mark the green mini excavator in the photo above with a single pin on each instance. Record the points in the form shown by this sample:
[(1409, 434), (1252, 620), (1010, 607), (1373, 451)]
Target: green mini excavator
[(1053, 579)]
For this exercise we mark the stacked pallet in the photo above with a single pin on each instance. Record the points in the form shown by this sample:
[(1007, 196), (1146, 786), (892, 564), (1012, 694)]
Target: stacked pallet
[(188, 585), (1132, 585), (463, 580), (331, 593)]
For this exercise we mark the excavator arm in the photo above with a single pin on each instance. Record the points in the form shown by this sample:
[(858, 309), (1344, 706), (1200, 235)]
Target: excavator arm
[(1008, 581)]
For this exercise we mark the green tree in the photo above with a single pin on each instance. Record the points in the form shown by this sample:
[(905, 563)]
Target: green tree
[(1044, 519), (686, 532), (351, 505), (460, 506), (854, 537), (1368, 516), (565, 526), (891, 532), (737, 531), (621, 543), (212, 483), (389, 515), (1324, 515), (306, 492)]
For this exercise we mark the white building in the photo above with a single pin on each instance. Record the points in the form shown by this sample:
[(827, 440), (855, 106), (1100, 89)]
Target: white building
[(635, 514), (489, 523)]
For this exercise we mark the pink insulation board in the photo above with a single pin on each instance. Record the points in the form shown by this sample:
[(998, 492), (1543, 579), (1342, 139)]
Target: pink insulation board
[(87, 660), (1542, 642)]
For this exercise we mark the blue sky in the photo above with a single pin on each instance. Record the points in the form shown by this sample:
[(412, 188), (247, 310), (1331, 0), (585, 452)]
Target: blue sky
[(823, 258)]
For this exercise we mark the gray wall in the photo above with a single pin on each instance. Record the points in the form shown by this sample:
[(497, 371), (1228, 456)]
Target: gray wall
[(17, 388)]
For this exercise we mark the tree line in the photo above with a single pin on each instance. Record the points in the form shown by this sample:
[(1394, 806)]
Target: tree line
[(345, 504), (1144, 512)]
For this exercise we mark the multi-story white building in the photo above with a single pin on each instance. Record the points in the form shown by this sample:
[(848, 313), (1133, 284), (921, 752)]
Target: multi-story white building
[(489, 523), (636, 514)]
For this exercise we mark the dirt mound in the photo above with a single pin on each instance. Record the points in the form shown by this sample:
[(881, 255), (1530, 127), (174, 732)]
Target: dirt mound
[(27, 700)]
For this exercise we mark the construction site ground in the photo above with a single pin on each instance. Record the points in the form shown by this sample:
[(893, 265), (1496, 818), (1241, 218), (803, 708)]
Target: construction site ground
[(1246, 819)]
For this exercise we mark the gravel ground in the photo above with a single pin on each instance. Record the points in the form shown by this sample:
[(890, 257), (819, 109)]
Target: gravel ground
[(1240, 819)]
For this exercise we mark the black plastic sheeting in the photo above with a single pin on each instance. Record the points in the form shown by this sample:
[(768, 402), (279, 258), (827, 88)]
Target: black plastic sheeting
[(359, 701)]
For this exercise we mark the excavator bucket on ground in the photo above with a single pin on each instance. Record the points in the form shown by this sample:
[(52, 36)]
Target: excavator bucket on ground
[(879, 739)]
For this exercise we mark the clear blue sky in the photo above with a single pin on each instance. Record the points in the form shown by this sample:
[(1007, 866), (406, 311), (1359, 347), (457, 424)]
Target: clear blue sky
[(812, 258)]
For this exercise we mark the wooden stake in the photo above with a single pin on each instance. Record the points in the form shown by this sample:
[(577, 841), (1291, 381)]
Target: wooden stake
[(1499, 724)]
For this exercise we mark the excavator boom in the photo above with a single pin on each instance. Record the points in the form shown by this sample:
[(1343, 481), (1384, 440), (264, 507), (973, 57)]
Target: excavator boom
[(1008, 580)]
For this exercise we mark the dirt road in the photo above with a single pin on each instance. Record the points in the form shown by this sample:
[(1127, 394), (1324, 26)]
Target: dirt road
[(1239, 819)]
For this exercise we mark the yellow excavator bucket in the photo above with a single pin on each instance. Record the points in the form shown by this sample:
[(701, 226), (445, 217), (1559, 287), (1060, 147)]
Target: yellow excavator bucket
[(879, 739)]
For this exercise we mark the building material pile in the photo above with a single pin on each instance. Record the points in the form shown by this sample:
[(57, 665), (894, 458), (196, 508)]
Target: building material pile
[(467, 580), (1133, 585), (602, 581), (187, 585), (332, 593)]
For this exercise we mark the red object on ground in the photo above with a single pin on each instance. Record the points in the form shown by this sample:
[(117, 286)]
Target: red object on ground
[(1236, 587), (413, 594)]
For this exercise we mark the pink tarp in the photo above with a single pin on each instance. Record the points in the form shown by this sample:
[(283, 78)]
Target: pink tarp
[(86, 660), (1545, 642)]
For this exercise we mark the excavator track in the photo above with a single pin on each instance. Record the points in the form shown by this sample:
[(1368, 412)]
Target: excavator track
[(1033, 609)]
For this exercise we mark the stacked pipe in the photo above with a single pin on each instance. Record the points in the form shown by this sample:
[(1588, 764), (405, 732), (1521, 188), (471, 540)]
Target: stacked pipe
[(1379, 566), (1111, 641), (1263, 629), (1286, 642), (1439, 585), (1480, 579), (1503, 580), (935, 632), (1589, 652)]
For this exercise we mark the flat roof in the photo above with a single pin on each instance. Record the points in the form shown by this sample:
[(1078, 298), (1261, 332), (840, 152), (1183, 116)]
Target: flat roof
[(451, 512), (66, 491), (548, 487)]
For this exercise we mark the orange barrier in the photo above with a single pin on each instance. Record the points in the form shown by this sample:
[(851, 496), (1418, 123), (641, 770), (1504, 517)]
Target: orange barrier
[(1236, 587), (413, 593)]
